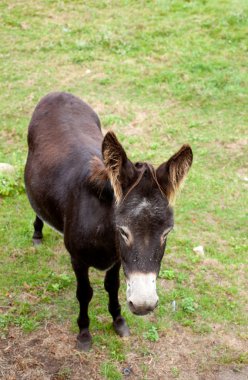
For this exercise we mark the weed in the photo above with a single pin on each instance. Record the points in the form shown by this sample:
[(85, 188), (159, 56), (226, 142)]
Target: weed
[(27, 323), (59, 282), (168, 274), (64, 373), (11, 184), (188, 305), (175, 372), (181, 277), (110, 372), (152, 334)]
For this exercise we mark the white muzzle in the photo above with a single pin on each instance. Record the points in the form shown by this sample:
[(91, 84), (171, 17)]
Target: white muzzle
[(141, 292)]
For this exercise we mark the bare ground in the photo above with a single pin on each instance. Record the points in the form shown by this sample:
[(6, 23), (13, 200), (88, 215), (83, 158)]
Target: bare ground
[(50, 354)]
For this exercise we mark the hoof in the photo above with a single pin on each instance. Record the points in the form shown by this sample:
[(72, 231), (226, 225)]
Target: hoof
[(121, 328), (84, 341), (37, 241)]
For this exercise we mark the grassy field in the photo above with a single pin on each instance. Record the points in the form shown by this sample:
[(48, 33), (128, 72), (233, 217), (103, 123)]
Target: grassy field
[(160, 74)]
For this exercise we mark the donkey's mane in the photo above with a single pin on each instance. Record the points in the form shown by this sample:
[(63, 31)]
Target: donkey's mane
[(144, 168), (99, 176)]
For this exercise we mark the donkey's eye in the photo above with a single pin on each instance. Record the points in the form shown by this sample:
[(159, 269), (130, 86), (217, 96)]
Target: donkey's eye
[(126, 234), (164, 234)]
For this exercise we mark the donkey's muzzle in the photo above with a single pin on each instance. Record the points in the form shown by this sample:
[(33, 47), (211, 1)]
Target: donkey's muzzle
[(141, 309), (141, 293)]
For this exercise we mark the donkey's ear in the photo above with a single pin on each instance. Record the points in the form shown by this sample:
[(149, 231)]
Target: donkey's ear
[(120, 169), (171, 174)]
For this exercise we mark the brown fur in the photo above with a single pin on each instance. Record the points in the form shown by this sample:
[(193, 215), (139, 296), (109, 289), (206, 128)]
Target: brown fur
[(114, 157), (99, 174), (172, 173), (178, 171)]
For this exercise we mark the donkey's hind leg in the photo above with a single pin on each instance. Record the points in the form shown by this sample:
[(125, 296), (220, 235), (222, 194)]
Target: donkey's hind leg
[(37, 236)]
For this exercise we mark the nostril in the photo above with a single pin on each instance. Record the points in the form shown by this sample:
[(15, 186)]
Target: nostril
[(130, 304), (149, 309)]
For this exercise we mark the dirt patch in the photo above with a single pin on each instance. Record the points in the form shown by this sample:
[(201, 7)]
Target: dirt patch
[(236, 146), (47, 354), (181, 354), (233, 374), (243, 173), (50, 354), (136, 126), (8, 137)]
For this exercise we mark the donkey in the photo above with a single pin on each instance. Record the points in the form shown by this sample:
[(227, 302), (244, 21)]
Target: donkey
[(111, 212)]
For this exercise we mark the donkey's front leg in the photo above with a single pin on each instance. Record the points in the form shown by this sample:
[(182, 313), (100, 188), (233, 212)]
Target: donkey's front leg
[(112, 284), (84, 295)]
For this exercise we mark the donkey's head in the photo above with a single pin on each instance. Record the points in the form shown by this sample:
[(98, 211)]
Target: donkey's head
[(143, 216)]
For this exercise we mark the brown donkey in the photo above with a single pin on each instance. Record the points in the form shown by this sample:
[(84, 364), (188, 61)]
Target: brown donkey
[(112, 212)]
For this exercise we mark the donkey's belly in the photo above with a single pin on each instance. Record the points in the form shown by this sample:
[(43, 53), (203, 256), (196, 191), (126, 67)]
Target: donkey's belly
[(105, 264), (49, 216)]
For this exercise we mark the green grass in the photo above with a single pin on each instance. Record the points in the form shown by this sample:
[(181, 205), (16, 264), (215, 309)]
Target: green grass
[(160, 74)]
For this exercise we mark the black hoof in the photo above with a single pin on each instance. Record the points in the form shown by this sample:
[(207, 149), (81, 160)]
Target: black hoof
[(84, 340), (37, 241), (121, 328)]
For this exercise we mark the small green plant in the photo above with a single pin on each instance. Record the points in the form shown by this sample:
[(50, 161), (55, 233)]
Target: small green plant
[(64, 373), (59, 282), (117, 355), (12, 183), (26, 323), (167, 274), (181, 277), (116, 348), (4, 321), (8, 184), (152, 334), (175, 372), (110, 372), (188, 305)]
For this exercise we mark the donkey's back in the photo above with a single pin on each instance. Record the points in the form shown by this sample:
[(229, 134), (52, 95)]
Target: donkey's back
[(64, 134)]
